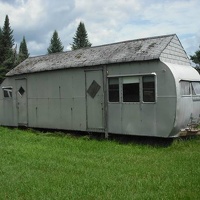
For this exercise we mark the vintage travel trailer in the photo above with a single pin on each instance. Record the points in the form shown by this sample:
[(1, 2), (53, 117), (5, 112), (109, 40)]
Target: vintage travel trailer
[(144, 87)]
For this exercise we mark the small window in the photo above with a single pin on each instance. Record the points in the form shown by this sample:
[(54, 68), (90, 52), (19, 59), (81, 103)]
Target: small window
[(131, 89), (185, 87), (7, 92), (195, 88), (113, 89), (148, 83)]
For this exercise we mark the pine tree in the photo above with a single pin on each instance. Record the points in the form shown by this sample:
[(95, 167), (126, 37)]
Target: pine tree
[(7, 53), (55, 44), (1, 47), (7, 41), (81, 38), (23, 51)]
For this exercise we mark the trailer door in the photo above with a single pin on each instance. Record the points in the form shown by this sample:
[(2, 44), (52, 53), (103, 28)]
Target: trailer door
[(94, 100), (21, 102)]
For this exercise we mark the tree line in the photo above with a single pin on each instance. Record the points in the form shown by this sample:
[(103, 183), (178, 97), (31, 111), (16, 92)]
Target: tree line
[(10, 56)]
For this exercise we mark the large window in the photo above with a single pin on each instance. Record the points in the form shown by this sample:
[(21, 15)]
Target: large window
[(131, 89), (148, 83), (113, 89), (7, 92)]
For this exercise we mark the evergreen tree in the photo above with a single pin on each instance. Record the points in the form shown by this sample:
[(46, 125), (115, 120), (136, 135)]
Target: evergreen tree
[(55, 44), (23, 51), (1, 47), (7, 40), (7, 53), (81, 38)]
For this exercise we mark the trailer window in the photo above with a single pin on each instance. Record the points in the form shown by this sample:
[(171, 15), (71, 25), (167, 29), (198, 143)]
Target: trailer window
[(185, 87), (148, 83), (7, 92), (131, 89), (113, 84), (196, 88)]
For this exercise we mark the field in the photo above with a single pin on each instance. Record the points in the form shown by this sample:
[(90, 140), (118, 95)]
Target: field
[(45, 166)]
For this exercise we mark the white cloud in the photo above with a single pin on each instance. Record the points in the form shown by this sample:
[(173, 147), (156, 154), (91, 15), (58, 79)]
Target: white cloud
[(106, 21)]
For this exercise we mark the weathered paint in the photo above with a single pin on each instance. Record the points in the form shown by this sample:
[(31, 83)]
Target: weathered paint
[(74, 95)]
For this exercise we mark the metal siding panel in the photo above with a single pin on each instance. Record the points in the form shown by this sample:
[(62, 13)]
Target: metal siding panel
[(114, 118), (165, 116), (79, 114), (148, 119), (60, 102), (131, 119), (66, 109)]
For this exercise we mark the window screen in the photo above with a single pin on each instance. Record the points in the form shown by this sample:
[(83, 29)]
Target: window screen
[(113, 89), (148, 83), (185, 87), (7, 92), (131, 89), (196, 88)]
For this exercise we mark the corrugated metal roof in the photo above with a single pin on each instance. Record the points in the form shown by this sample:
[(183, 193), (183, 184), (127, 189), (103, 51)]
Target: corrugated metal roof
[(127, 51)]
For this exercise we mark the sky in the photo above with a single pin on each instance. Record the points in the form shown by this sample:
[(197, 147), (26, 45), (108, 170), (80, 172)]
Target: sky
[(105, 21)]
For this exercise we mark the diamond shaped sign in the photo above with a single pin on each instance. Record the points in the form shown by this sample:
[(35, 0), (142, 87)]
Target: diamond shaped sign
[(93, 89), (21, 91)]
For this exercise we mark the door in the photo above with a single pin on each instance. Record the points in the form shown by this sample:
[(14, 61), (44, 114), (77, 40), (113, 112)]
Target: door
[(21, 102), (94, 100)]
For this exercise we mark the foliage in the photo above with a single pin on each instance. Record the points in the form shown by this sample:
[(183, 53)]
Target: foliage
[(196, 59), (1, 46), (55, 44), (35, 166), (80, 40), (7, 40), (7, 53), (23, 51)]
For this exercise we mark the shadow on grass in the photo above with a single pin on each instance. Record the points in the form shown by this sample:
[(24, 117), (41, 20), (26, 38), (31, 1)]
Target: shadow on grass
[(143, 140), (121, 139)]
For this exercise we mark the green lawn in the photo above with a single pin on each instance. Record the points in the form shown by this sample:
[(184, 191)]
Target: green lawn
[(45, 166)]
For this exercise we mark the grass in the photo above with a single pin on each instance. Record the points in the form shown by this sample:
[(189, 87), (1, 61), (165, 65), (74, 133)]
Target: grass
[(42, 166)]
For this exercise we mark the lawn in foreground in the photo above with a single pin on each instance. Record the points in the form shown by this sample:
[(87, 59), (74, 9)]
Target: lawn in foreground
[(37, 166)]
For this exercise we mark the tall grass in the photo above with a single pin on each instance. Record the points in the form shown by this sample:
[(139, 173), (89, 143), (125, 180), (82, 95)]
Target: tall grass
[(34, 166)]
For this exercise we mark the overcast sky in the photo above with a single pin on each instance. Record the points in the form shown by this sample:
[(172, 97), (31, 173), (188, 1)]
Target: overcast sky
[(105, 21)]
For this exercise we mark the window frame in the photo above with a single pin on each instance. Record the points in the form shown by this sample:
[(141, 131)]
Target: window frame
[(9, 90), (140, 76), (129, 83), (192, 92), (113, 89), (155, 89)]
